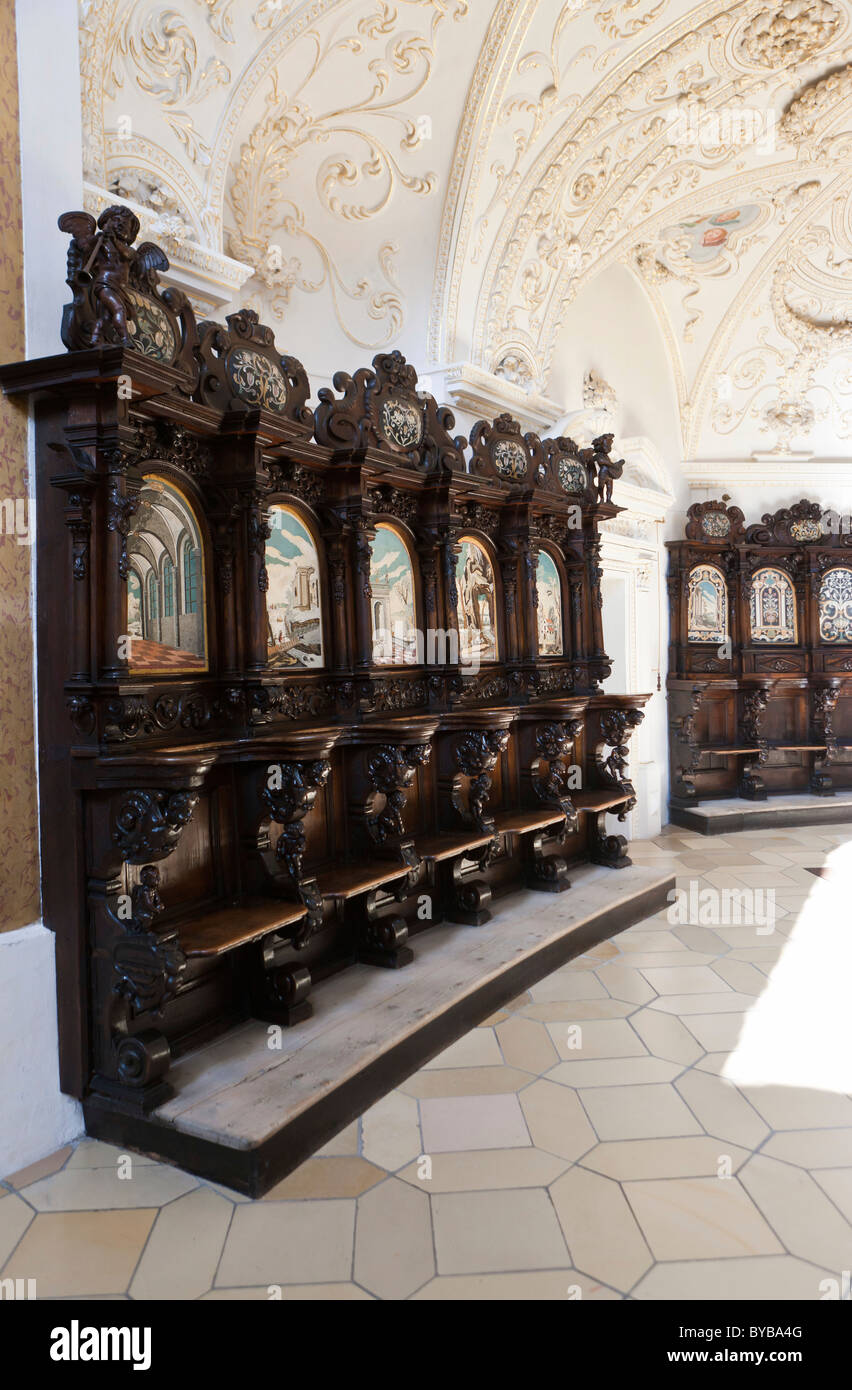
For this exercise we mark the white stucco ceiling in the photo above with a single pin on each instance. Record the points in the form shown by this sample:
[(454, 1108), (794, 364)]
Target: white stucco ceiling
[(447, 177)]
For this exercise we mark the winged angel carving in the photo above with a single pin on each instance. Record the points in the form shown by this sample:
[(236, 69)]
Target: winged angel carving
[(103, 267)]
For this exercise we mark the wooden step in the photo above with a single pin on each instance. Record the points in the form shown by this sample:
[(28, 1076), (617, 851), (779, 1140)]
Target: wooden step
[(245, 1114)]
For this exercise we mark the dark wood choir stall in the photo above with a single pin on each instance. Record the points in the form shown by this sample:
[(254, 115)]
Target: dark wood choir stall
[(300, 673), (760, 666)]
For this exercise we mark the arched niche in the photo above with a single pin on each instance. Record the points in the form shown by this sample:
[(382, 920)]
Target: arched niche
[(772, 607), (393, 602), (549, 605), (476, 608), (835, 605), (707, 609), (166, 589), (294, 598)]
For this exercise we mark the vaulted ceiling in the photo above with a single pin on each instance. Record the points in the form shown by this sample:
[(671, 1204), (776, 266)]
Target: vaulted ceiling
[(448, 176)]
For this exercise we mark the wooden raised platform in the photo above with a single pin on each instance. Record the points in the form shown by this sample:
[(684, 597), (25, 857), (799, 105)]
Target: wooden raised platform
[(729, 814), (246, 1115)]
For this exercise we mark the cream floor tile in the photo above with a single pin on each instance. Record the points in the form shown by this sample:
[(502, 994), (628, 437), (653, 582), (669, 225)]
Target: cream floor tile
[(713, 1062), (699, 1157), (556, 1120), (801, 1215), (812, 1148), (293, 1293), (721, 1109), (183, 1249), (794, 1108), (486, 1169), (601, 1231), (722, 1003), (716, 1032), (651, 941), (757, 1279), (453, 1123), (478, 1048), (611, 1037), (575, 1010), (686, 979), (497, 1232), (390, 1131), (526, 1043), (666, 1037), (614, 1071), (393, 1240), (568, 984), (623, 982), (836, 1183), (42, 1169), (699, 1219), (535, 1287), (93, 1153), (663, 960), (289, 1243), (747, 943), (741, 976), (15, 1217), (327, 1178), (466, 1081), (101, 1189), (81, 1253), (346, 1142), (638, 1112), (702, 939)]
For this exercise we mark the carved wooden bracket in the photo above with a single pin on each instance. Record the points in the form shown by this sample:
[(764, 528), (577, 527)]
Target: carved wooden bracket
[(288, 804), (475, 754)]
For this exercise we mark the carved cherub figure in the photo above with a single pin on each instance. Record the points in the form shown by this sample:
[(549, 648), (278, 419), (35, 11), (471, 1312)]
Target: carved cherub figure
[(146, 900), (608, 470), (102, 264)]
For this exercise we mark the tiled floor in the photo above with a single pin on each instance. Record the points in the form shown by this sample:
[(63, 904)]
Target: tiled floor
[(666, 1117)]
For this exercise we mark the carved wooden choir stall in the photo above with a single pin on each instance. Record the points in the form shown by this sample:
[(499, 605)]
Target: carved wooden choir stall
[(760, 660), (309, 682)]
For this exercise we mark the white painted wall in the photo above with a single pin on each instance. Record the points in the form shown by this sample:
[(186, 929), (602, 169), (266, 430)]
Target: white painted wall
[(35, 1117)]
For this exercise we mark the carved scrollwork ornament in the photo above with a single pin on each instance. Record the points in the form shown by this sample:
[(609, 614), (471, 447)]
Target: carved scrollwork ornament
[(148, 824)]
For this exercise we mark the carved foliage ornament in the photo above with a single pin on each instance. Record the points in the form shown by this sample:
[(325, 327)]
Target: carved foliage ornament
[(148, 824)]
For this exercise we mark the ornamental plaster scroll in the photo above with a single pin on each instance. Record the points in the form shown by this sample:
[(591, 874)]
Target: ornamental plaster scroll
[(251, 129), (720, 70)]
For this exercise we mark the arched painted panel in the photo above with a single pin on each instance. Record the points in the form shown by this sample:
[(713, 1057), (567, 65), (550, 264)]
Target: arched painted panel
[(549, 609), (708, 605), (393, 605), (477, 603), (294, 635), (165, 588), (835, 605), (772, 607)]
